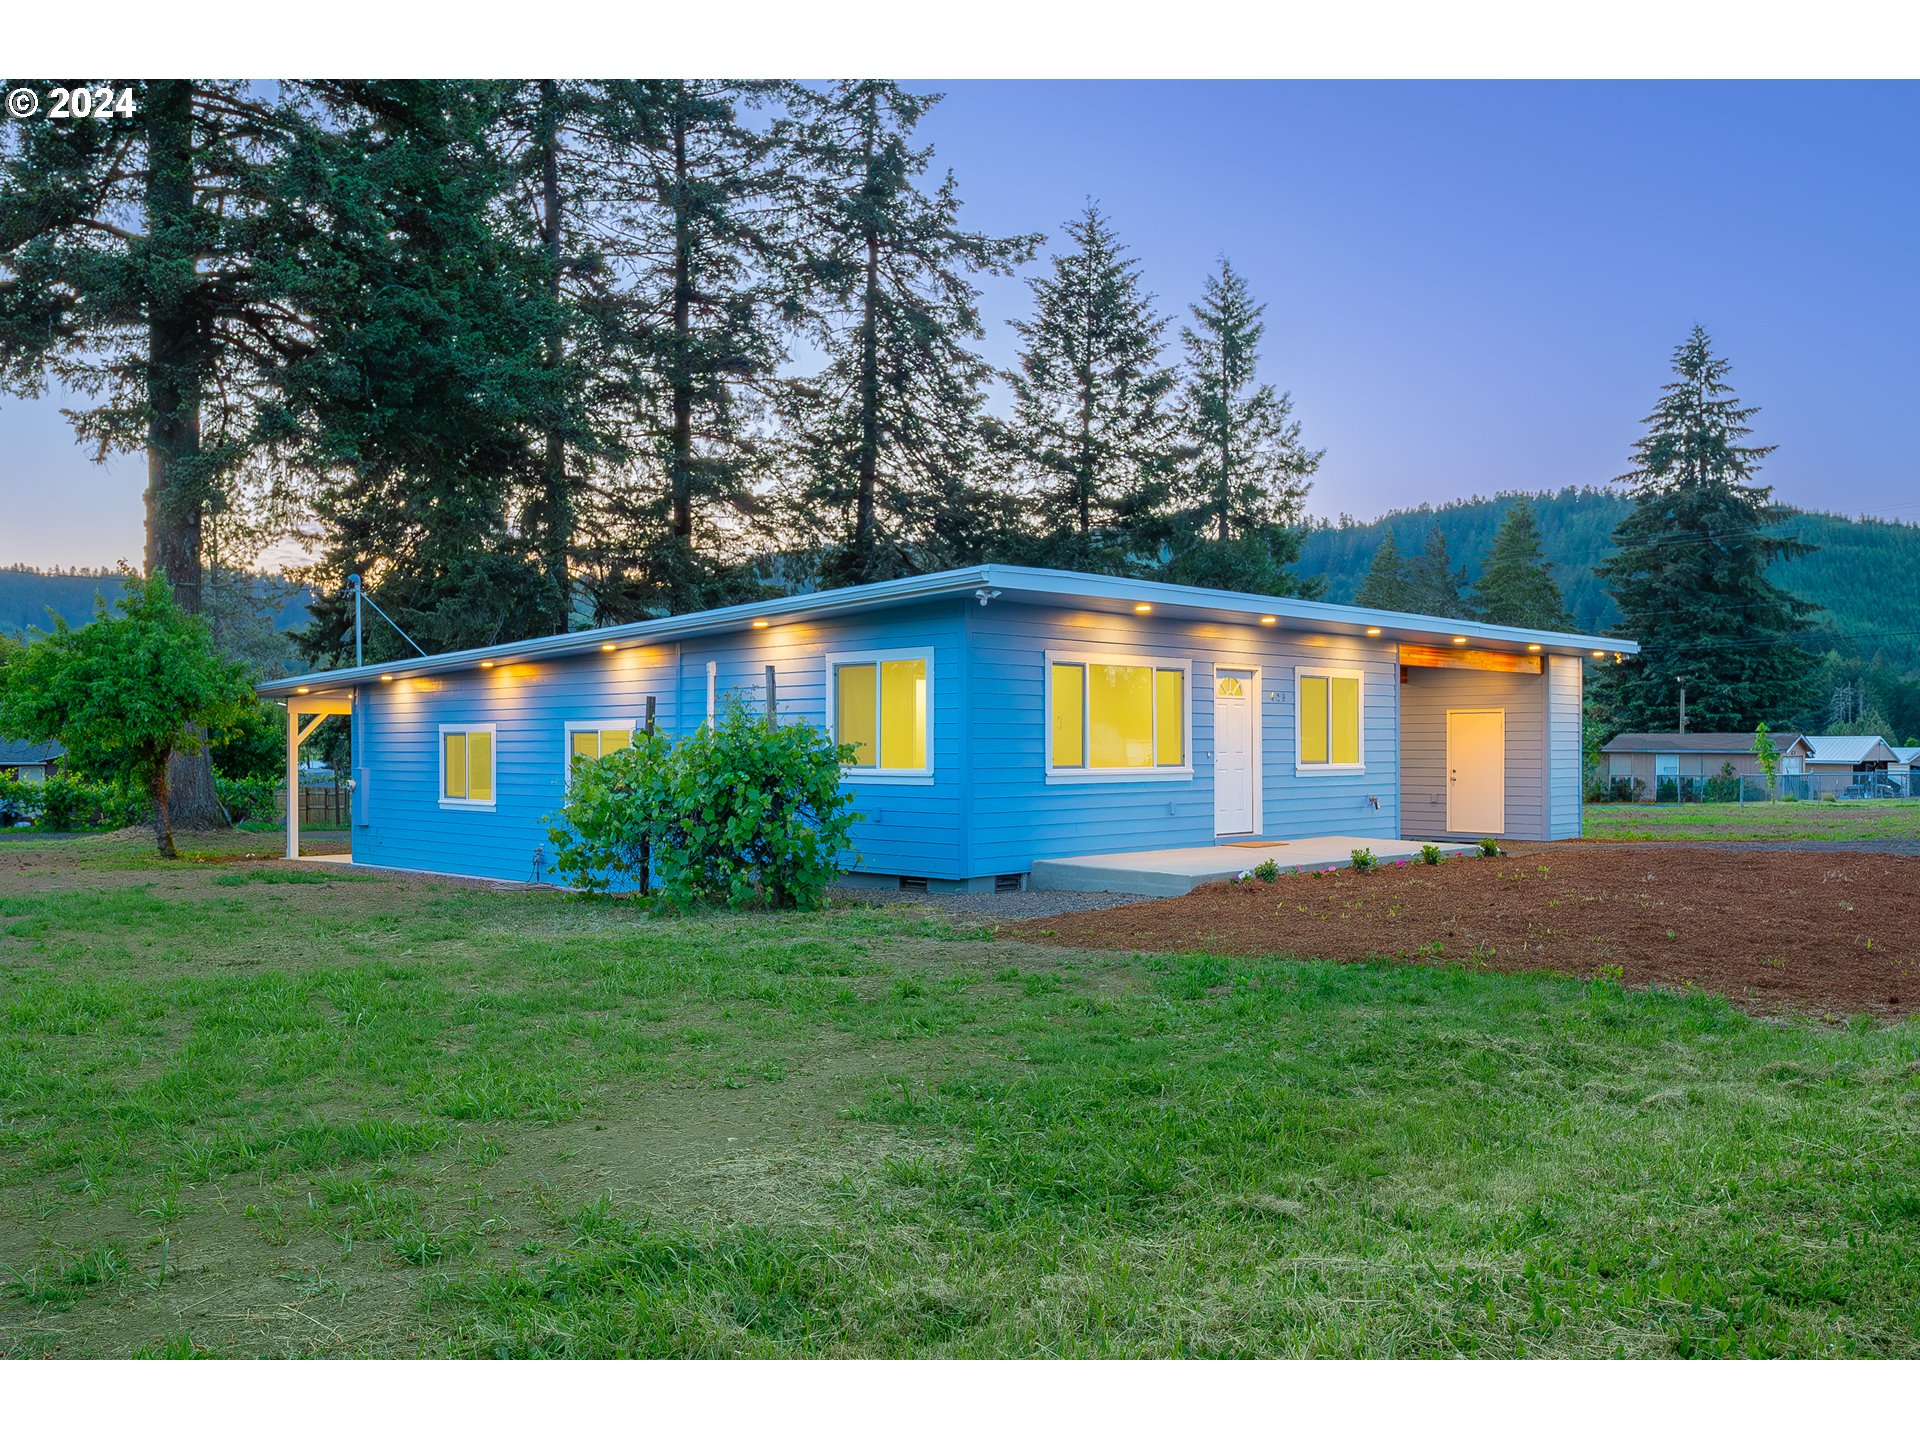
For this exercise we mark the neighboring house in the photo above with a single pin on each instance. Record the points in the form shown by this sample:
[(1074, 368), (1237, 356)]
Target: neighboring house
[(1002, 715), (28, 760), (1905, 759), (1676, 755), (1847, 754)]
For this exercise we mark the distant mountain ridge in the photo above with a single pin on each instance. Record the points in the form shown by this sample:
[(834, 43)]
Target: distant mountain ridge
[(1866, 573)]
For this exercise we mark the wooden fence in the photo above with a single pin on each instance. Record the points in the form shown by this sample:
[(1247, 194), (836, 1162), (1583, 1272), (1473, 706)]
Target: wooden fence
[(322, 804)]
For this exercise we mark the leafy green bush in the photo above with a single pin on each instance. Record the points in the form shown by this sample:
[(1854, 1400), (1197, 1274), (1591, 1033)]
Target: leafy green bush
[(1489, 846), (1724, 788), (1267, 870), (67, 802), (737, 813), (1430, 855), (603, 832), (1363, 859), (255, 798)]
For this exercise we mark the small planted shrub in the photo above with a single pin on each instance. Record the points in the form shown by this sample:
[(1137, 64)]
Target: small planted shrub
[(1267, 870), (1430, 855), (1489, 846), (1363, 859)]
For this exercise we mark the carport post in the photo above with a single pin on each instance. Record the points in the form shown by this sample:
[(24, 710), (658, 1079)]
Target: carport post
[(293, 781)]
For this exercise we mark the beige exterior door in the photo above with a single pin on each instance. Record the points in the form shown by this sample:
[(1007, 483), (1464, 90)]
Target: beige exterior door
[(1233, 752), (1477, 771)]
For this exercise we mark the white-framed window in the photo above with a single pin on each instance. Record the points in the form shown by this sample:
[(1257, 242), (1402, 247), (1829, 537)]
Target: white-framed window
[(466, 767), (881, 703), (1666, 765), (590, 739), (1329, 729), (1118, 717)]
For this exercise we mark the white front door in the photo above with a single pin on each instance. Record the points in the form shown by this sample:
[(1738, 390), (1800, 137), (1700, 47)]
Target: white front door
[(1233, 752), (1477, 771)]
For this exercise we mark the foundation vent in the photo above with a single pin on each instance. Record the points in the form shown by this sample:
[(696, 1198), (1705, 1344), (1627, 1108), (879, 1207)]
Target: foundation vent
[(913, 882), (1007, 884)]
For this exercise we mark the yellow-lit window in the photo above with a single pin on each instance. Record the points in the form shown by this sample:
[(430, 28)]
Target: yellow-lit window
[(1169, 717), (1115, 716), (1068, 717), (880, 707), (466, 765), (1313, 720), (590, 739), (1330, 718)]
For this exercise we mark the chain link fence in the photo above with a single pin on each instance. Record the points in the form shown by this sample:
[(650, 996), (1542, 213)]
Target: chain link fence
[(1748, 789)]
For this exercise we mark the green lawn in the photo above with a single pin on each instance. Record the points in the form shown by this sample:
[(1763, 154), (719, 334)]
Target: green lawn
[(255, 1109), (1776, 820)]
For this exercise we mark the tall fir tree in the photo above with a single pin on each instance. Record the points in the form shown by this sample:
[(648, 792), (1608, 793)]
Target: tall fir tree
[(1690, 570), (1385, 587), (1516, 585), (1093, 434), (888, 435), (700, 225), (1240, 498), (414, 422), (1434, 586), (558, 137), (133, 274)]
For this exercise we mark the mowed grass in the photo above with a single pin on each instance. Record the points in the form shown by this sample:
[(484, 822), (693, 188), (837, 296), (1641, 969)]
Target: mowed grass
[(1768, 820), (256, 1109)]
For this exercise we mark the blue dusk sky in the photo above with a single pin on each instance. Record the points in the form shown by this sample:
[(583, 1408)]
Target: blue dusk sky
[(1471, 287)]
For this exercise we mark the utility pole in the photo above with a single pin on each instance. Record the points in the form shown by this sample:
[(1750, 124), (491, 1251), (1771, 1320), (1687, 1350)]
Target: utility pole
[(1683, 709)]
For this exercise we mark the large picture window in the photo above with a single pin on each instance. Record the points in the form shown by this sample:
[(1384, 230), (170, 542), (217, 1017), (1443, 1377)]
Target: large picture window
[(881, 703), (1113, 717), (466, 767), (1329, 734)]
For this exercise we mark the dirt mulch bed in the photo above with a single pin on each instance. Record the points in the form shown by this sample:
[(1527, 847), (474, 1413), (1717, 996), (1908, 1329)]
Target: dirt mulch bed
[(1815, 933)]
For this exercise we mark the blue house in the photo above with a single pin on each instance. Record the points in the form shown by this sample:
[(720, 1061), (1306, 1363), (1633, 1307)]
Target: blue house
[(1004, 717)]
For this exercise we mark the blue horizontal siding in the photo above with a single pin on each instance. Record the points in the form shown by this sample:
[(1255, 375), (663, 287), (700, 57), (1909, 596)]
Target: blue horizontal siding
[(918, 830), (1016, 817)]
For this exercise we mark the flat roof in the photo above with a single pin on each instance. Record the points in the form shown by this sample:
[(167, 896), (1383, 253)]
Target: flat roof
[(992, 584)]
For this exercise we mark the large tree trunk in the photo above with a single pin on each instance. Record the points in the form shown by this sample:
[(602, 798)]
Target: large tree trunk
[(680, 547), (162, 812), (558, 536), (864, 540), (176, 372)]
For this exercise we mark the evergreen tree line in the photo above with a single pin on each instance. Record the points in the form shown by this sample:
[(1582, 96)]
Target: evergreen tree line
[(530, 356)]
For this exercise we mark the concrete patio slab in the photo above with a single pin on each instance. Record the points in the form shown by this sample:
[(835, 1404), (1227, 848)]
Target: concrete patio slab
[(1175, 872)]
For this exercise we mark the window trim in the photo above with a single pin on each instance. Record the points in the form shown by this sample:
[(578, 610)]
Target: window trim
[(440, 747), (568, 730), (873, 774), (1088, 774), (1329, 767)]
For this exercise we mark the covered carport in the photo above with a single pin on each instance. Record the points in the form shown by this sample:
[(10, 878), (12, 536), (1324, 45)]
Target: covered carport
[(305, 714)]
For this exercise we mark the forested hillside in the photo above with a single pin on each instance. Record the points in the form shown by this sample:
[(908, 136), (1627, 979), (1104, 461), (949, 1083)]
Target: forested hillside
[(26, 595), (1863, 574)]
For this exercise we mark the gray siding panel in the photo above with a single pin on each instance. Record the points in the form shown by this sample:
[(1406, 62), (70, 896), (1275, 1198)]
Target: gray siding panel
[(1425, 699), (1565, 674)]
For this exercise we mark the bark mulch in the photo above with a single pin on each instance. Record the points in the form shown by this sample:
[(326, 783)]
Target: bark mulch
[(1822, 933)]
